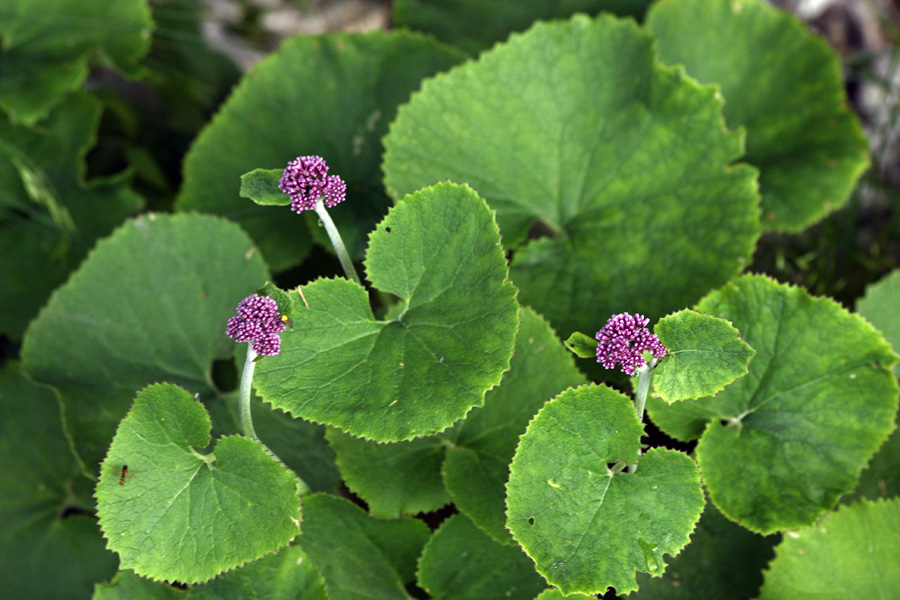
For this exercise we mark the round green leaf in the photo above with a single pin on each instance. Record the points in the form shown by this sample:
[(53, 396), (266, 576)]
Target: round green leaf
[(50, 544), (879, 307), (586, 527), (325, 95), (149, 303), (704, 354), (852, 553), (474, 456), (49, 215), (439, 252), (783, 84), (783, 443), (461, 562), (287, 575), (619, 175), (723, 560), (173, 512), (476, 25), (47, 44), (358, 556)]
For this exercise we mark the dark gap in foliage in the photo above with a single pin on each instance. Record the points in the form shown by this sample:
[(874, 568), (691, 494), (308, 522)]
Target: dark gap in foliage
[(225, 375), (415, 591), (8, 350), (434, 518), (72, 511), (656, 438), (539, 230), (177, 585)]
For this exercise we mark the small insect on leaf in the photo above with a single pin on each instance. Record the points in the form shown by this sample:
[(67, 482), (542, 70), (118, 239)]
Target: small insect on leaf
[(124, 474)]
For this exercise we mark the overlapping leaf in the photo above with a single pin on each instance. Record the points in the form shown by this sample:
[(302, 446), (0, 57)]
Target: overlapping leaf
[(879, 307), (329, 95), (287, 575), (174, 510), (784, 85), (782, 444), (358, 556), (461, 562), (573, 131), (47, 44), (704, 354), (470, 462), (415, 374), (586, 526), (149, 304), (50, 544), (852, 553), (723, 560), (49, 215), (476, 25)]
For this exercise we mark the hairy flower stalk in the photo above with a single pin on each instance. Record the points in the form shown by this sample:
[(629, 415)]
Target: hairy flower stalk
[(624, 340), (307, 182)]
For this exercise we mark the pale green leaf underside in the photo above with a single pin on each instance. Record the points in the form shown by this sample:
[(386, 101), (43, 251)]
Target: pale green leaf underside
[(47, 44), (461, 562), (574, 125), (287, 575), (476, 25), (176, 516), (880, 307), (819, 399), (852, 553), (150, 303), (330, 95), (586, 527), (555, 594), (438, 251), (703, 355), (471, 460), (42, 553), (357, 555), (723, 561), (261, 186), (783, 84)]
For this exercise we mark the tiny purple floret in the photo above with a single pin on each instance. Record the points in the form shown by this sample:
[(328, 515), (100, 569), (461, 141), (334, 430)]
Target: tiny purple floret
[(306, 180), (257, 321), (623, 339)]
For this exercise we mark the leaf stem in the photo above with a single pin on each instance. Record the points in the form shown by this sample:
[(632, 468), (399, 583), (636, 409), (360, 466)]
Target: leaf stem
[(336, 241), (645, 376), (246, 393)]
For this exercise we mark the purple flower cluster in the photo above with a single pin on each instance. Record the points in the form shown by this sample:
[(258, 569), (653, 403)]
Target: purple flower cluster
[(306, 179), (257, 321), (623, 339)]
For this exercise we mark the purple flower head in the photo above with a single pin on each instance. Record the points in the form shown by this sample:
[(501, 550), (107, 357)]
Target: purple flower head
[(623, 339), (257, 321), (306, 179)]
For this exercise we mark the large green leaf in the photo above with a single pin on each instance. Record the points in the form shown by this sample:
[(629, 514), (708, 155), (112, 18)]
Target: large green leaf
[(49, 215), (587, 526), (331, 96), (47, 44), (852, 553), (287, 575), (475, 24), (782, 444), (703, 355), (784, 85), (471, 460), (360, 557), (723, 560), (461, 562), (620, 171), (174, 511), (149, 304), (50, 546), (439, 252), (879, 307)]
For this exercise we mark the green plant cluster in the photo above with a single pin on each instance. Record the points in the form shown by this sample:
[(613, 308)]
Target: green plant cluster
[(517, 172)]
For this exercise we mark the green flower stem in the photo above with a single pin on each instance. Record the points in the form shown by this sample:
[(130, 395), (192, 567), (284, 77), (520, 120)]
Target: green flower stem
[(337, 242), (645, 376), (246, 393), (247, 417)]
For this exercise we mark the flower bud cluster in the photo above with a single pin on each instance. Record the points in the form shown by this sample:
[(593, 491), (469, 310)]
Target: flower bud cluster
[(624, 339), (257, 321), (306, 180)]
